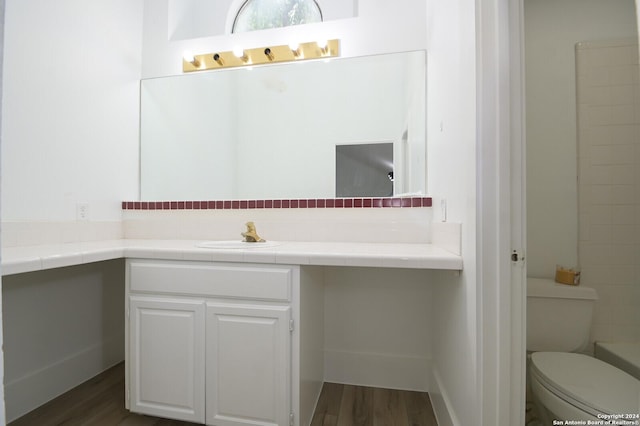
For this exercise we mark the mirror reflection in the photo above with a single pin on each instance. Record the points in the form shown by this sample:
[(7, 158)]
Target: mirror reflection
[(274, 131)]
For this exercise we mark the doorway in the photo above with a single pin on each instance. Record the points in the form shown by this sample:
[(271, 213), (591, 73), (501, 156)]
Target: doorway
[(581, 186)]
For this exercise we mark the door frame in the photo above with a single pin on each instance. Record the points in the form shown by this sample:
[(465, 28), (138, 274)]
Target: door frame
[(501, 212)]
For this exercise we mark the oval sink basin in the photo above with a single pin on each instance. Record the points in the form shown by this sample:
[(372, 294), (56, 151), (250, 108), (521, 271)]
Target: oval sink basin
[(233, 244)]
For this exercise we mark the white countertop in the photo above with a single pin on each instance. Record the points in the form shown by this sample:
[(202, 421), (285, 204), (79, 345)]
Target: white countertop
[(388, 255)]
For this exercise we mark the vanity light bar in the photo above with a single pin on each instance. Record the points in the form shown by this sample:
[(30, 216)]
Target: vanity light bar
[(261, 55)]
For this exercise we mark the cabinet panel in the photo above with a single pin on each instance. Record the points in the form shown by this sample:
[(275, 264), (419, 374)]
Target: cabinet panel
[(264, 282), (248, 358), (167, 357)]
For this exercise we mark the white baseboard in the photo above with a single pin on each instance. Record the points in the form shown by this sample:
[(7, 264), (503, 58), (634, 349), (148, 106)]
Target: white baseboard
[(377, 370), (40, 386), (316, 396), (440, 402)]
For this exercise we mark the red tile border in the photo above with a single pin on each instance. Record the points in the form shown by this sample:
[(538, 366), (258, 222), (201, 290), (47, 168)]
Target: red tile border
[(320, 203)]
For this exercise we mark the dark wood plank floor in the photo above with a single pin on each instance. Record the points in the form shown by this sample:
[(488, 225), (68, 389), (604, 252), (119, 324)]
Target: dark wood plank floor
[(346, 405), (100, 402)]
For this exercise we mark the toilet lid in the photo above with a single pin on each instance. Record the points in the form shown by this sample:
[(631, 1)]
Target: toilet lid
[(587, 383)]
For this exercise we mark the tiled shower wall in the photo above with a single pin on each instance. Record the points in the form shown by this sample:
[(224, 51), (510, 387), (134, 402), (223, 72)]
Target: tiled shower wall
[(608, 96)]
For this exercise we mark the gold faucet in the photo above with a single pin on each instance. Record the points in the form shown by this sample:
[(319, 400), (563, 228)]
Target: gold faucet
[(251, 236)]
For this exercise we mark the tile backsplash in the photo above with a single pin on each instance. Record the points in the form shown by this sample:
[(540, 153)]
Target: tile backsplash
[(380, 220), (382, 225), (17, 234), (608, 96), (314, 203)]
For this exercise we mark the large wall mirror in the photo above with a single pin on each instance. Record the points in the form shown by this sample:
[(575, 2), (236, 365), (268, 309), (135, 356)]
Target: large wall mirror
[(275, 131)]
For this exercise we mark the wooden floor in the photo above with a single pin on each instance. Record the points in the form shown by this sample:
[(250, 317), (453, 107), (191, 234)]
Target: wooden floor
[(346, 405), (100, 401)]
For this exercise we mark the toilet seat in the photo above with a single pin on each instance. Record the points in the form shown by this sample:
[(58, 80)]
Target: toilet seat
[(589, 384)]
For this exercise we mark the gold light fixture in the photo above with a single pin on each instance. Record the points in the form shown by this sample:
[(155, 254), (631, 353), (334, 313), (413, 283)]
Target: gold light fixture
[(269, 54), (218, 59), (263, 55)]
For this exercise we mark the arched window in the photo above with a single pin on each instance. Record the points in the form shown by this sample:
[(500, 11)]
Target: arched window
[(263, 14)]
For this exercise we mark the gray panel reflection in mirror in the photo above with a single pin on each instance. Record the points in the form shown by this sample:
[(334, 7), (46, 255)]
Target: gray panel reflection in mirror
[(364, 170)]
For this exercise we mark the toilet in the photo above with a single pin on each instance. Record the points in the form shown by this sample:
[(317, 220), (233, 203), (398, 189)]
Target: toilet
[(566, 384)]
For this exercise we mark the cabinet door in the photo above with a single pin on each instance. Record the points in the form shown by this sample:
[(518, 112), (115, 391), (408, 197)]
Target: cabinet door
[(248, 365), (167, 357)]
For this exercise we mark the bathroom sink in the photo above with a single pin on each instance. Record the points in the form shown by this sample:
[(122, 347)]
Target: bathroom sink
[(233, 244)]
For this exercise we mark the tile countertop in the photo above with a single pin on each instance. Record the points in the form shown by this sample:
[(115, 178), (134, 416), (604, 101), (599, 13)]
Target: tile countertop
[(17, 260)]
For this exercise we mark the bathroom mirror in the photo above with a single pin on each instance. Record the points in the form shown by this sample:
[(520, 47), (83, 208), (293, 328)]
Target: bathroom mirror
[(272, 131)]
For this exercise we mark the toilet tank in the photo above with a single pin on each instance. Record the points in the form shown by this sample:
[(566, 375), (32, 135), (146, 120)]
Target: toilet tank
[(558, 316)]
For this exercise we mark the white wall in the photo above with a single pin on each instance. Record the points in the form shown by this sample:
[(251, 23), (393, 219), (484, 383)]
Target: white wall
[(451, 173), (608, 93), (62, 327), (70, 134), (552, 28), (378, 318), (2, 404)]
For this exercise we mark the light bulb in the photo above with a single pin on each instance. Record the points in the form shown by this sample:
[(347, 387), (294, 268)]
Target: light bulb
[(189, 57), (295, 48), (238, 51)]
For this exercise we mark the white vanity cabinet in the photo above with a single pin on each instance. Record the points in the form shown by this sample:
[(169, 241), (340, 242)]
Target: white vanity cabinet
[(248, 365), (167, 357), (215, 343)]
